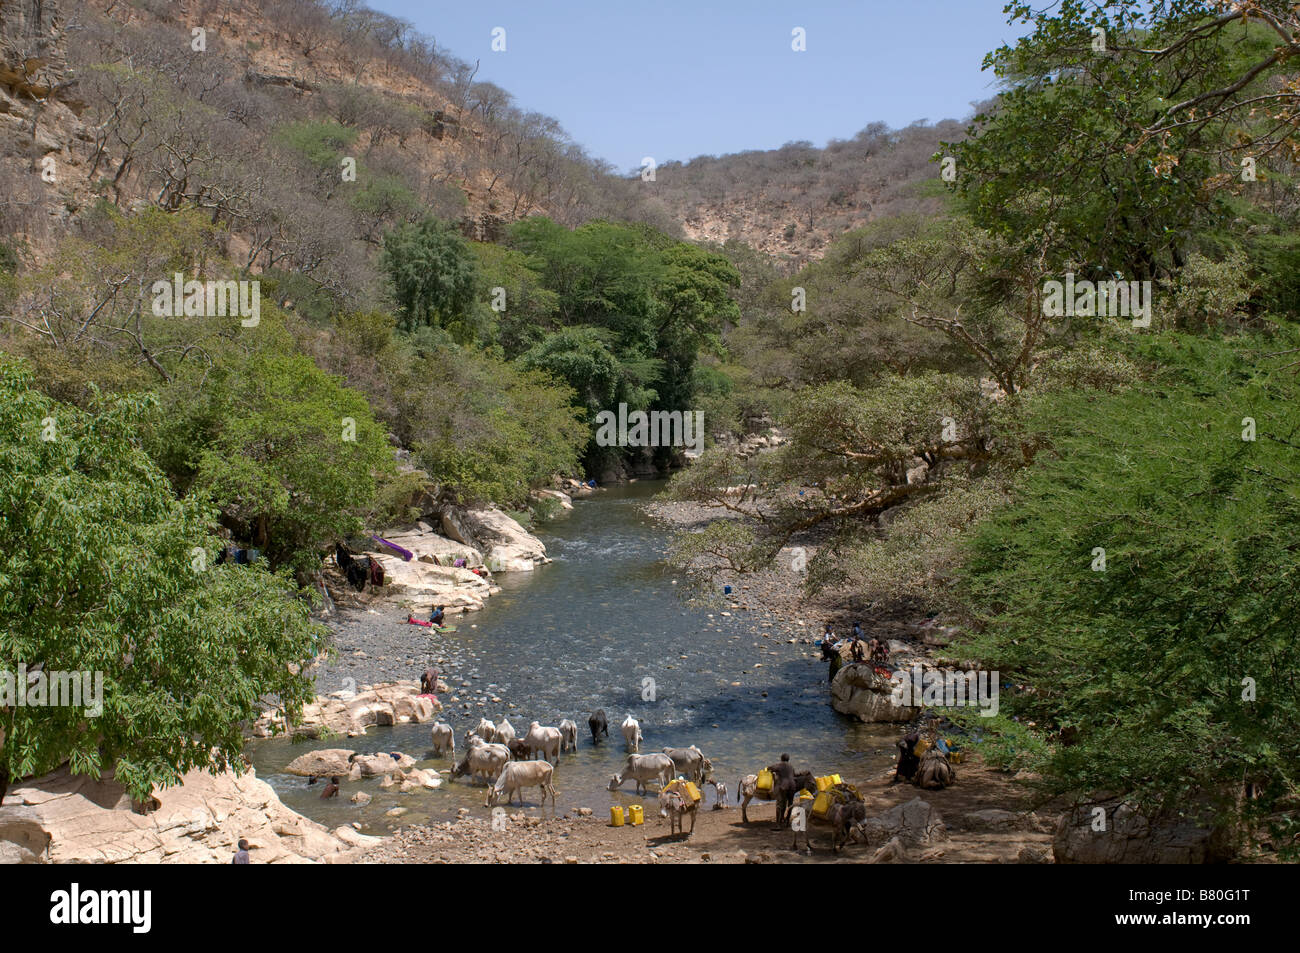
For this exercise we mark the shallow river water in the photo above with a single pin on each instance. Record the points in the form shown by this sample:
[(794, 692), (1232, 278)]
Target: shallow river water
[(587, 631)]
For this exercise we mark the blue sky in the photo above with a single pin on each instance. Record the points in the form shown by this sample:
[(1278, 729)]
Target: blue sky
[(679, 78)]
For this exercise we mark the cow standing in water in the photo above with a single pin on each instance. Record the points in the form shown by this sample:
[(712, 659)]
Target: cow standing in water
[(598, 724), (632, 734)]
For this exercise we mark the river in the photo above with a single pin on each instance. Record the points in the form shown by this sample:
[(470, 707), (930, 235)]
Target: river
[(603, 627)]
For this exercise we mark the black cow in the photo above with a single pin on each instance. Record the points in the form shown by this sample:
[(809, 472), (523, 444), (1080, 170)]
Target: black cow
[(599, 725)]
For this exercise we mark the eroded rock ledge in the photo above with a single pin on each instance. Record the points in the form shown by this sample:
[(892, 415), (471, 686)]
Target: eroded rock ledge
[(62, 818), (349, 714)]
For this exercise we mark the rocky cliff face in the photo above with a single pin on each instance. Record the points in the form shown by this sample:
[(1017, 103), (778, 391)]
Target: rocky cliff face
[(32, 56)]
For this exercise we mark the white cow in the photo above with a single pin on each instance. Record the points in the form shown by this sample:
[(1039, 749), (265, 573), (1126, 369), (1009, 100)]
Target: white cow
[(444, 739), (632, 734), (484, 729), (644, 768), (568, 735), (504, 732), (483, 760), (545, 740), (516, 776), (691, 763)]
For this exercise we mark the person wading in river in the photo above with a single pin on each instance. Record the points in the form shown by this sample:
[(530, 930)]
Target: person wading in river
[(331, 789)]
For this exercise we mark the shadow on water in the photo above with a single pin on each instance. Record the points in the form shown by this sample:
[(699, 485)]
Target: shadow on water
[(602, 627)]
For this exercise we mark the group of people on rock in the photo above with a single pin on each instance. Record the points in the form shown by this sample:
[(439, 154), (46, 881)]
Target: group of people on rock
[(874, 649)]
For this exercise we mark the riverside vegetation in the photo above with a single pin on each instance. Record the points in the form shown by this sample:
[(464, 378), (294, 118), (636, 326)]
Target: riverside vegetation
[(1109, 512)]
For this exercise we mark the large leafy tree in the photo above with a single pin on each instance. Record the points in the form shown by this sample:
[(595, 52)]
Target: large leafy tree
[(1143, 588), (635, 310), (488, 429), (290, 455), (854, 453), (432, 272), (103, 570), (1123, 124)]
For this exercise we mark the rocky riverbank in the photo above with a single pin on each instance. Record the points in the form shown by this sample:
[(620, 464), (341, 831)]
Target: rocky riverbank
[(377, 645), (982, 819), (446, 558)]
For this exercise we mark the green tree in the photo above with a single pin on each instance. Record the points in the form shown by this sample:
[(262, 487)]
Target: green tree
[(431, 270), (527, 305), (486, 429), (103, 570), (1166, 673), (1122, 125), (290, 456), (296, 458)]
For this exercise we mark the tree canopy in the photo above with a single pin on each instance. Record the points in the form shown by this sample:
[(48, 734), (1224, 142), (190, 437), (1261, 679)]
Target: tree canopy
[(103, 570)]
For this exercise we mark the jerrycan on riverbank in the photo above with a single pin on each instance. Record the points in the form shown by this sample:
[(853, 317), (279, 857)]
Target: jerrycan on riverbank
[(765, 782), (616, 815), (636, 813), (821, 804)]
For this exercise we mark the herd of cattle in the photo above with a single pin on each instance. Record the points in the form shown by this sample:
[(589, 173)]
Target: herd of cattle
[(497, 755)]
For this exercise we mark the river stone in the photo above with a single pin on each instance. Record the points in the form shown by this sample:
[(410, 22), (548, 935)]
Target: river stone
[(892, 853), (328, 762), (859, 691), (375, 765)]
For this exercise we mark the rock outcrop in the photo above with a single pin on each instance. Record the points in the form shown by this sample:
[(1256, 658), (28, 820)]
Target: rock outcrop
[(859, 691), (912, 823), (560, 497), (349, 714), (326, 763), (506, 546), (62, 818), (420, 584), (1128, 838), (32, 57)]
